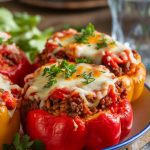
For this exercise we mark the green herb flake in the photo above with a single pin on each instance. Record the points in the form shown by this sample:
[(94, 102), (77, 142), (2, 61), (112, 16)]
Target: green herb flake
[(112, 43), (102, 71), (50, 83), (83, 60), (69, 69), (88, 77), (51, 73), (102, 43), (85, 33)]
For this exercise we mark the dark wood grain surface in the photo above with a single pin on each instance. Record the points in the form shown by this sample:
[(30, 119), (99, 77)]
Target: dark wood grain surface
[(100, 17), (67, 4)]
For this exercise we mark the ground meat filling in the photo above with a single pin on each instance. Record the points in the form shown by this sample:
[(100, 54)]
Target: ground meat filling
[(9, 60), (121, 70), (46, 56), (127, 68), (74, 105)]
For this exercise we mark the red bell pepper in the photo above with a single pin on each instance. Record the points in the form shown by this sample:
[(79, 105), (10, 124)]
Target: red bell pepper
[(58, 133), (13, 62), (103, 129), (77, 116)]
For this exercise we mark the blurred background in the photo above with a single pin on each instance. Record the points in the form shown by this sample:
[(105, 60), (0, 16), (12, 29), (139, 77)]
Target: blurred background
[(33, 21)]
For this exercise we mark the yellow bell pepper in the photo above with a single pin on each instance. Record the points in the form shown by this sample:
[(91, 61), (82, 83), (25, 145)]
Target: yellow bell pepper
[(8, 125), (135, 82)]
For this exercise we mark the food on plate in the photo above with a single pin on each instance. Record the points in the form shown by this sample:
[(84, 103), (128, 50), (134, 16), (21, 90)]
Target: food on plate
[(13, 62), (9, 110), (72, 106), (93, 47)]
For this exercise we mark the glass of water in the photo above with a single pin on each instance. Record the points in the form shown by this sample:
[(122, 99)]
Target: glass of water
[(131, 25)]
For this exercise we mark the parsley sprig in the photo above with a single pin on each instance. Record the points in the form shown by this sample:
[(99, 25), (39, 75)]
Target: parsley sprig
[(24, 143), (103, 42), (88, 77), (83, 60), (85, 33), (67, 68), (51, 73)]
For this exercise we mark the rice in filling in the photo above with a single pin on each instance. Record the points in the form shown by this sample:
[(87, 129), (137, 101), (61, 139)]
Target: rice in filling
[(75, 106)]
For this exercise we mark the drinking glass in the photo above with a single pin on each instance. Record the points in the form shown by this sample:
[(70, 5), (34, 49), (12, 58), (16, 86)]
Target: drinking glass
[(131, 25)]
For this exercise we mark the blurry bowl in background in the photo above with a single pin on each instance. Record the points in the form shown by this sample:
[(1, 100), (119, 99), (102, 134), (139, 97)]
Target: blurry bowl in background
[(67, 4)]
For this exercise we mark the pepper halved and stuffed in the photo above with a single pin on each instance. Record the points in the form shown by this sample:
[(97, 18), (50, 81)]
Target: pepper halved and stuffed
[(9, 110), (13, 62), (92, 47), (74, 106)]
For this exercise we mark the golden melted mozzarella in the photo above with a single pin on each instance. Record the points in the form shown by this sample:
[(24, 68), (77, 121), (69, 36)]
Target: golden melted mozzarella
[(89, 50), (99, 88)]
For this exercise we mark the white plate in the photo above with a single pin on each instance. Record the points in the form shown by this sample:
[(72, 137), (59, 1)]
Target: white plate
[(141, 123)]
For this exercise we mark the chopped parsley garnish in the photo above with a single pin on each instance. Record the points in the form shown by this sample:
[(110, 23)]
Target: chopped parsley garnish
[(51, 82), (88, 77), (69, 69), (102, 71), (85, 33), (83, 60), (51, 73), (102, 43), (112, 43)]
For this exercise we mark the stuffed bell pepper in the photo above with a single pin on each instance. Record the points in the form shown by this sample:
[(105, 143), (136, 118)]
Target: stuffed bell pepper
[(90, 46), (72, 106), (13, 62), (9, 110)]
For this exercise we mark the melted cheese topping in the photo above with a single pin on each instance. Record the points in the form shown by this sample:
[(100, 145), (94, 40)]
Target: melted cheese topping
[(99, 88), (67, 43), (6, 85)]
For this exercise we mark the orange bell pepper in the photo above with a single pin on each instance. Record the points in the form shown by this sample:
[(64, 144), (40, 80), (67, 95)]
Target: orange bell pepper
[(134, 80)]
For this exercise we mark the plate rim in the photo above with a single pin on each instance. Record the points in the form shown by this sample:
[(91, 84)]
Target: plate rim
[(133, 138)]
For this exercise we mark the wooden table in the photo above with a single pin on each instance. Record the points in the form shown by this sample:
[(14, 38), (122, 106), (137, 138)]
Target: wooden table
[(101, 18)]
